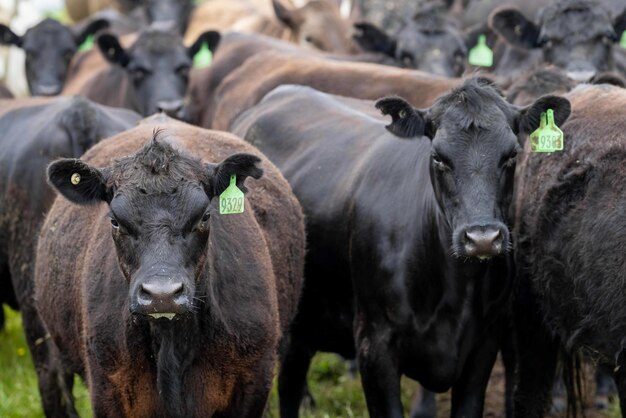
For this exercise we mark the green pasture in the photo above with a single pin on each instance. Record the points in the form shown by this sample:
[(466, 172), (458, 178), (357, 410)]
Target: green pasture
[(336, 393)]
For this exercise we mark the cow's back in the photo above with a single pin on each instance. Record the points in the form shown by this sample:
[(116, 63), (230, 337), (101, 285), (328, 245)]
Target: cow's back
[(258, 75)]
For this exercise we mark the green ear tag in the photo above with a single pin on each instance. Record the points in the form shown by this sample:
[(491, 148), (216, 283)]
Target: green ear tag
[(622, 41), (548, 137), (231, 199), (87, 44), (203, 57), (481, 55)]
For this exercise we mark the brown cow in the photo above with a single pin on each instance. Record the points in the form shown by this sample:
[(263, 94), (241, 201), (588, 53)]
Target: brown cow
[(237, 47), (318, 24), (569, 248), (165, 306), (34, 133), (247, 85)]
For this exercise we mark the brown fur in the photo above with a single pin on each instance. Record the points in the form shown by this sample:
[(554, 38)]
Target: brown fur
[(75, 244), (46, 129), (247, 85), (318, 19), (234, 49)]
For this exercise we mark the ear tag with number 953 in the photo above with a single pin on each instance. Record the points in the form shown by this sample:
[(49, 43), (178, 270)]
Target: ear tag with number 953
[(548, 137), (231, 199)]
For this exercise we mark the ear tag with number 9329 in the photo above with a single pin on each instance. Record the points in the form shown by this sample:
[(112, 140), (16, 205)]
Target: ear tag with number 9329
[(231, 199), (548, 137)]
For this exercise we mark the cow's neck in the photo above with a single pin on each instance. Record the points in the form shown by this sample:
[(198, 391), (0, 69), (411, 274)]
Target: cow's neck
[(174, 349), (451, 283)]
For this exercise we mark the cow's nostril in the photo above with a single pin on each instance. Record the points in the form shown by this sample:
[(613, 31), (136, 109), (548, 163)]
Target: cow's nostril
[(162, 290), (480, 237), (481, 242), (170, 107)]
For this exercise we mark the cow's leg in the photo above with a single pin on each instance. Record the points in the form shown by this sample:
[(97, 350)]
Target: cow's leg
[(55, 385), (509, 360), (105, 402), (537, 356), (250, 398), (620, 380), (425, 406), (605, 387), (292, 383), (468, 392), (379, 370)]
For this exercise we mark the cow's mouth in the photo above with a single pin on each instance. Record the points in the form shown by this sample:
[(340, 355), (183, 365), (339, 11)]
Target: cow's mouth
[(167, 315)]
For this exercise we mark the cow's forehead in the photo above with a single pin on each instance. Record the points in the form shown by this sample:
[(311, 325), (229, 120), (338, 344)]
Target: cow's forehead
[(49, 30), (158, 42), (575, 20)]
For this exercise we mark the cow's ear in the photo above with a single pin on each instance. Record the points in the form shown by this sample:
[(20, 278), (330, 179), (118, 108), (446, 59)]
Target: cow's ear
[(371, 38), (513, 26), (82, 32), (608, 77), (78, 182), (291, 18), (619, 24), (7, 37), (529, 117), (406, 121), (212, 39), (112, 50), (241, 165), (474, 32)]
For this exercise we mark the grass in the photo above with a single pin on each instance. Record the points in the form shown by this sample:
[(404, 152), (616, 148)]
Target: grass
[(336, 393)]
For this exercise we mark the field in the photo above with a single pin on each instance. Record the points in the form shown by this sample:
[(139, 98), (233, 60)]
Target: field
[(335, 392)]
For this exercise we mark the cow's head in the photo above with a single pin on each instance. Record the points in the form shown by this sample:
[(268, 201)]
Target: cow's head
[(430, 42), (49, 48), (576, 35), (474, 134), (157, 66), (173, 14), (530, 86), (318, 24), (159, 202)]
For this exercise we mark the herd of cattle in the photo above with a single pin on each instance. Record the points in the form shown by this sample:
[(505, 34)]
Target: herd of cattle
[(394, 212)]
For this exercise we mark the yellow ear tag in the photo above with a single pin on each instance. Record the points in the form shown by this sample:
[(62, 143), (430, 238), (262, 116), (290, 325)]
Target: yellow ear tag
[(231, 199), (75, 179), (481, 55), (548, 137)]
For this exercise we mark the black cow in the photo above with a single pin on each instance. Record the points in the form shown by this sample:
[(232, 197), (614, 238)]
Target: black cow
[(35, 132), (413, 231), (172, 308), (430, 42), (49, 48), (150, 76), (570, 217), (576, 35)]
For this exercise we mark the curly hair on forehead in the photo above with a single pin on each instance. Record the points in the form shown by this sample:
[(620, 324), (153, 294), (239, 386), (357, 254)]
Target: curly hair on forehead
[(158, 167), (473, 104)]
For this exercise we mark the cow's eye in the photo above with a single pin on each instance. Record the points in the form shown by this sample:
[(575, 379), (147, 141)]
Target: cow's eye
[(439, 163), (407, 59), (115, 224), (509, 160), (205, 217), (183, 70), (138, 74)]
